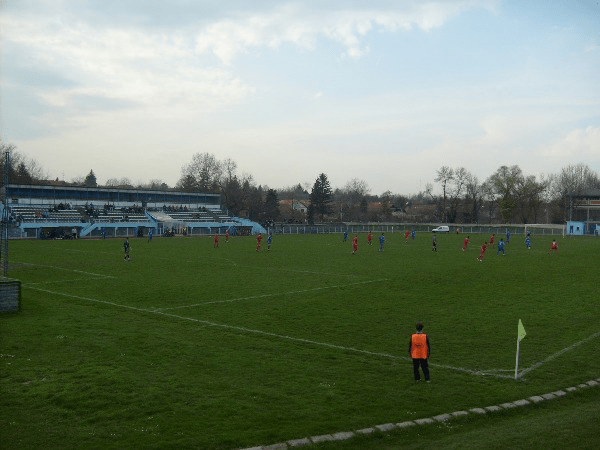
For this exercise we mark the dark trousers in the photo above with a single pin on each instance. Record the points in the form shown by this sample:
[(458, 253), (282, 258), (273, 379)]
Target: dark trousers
[(424, 367)]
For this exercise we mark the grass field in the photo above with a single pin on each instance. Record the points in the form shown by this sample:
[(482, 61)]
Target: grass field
[(188, 346)]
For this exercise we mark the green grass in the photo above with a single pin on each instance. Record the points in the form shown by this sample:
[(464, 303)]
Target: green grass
[(187, 346), (564, 423)]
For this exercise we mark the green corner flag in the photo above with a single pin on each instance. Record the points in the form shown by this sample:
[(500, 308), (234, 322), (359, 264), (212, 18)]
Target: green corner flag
[(521, 332)]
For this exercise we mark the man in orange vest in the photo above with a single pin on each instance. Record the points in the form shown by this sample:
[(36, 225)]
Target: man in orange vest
[(419, 349)]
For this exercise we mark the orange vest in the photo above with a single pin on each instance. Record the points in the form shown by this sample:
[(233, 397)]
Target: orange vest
[(418, 347)]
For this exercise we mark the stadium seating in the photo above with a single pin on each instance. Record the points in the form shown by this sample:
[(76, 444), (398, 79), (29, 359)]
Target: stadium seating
[(41, 213), (37, 210)]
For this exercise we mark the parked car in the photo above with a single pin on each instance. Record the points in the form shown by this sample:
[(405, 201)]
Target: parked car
[(442, 229)]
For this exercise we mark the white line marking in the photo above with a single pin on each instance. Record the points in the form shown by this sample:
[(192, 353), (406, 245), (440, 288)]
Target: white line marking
[(557, 354), (68, 270), (486, 373), (68, 281), (271, 295), (215, 324), (322, 344)]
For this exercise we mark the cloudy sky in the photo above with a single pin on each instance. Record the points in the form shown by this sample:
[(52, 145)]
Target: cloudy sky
[(382, 91)]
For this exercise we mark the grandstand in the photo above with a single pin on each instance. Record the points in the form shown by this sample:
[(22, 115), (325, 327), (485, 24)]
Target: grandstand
[(46, 211)]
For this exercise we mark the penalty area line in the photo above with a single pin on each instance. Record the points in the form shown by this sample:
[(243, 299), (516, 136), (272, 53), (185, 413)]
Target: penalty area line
[(302, 340), (66, 281), (302, 291), (220, 325), (68, 270), (274, 335)]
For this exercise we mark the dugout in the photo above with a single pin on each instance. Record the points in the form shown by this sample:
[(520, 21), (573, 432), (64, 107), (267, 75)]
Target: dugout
[(244, 231), (10, 295), (575, 228)]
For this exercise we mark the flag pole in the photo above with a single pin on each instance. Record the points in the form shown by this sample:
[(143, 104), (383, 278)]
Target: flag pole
[(520, 335), (517, 365)]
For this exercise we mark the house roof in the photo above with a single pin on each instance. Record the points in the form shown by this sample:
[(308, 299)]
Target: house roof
[(590, 193)]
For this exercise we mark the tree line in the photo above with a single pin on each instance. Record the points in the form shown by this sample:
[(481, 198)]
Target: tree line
[(506, 196)]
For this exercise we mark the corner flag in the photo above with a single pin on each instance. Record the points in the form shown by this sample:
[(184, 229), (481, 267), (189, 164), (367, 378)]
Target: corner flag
[(521, 331), (520, 335)]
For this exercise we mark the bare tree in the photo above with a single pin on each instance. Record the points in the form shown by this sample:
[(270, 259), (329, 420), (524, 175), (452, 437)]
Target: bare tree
[(529, 198), (124, 183), (473, 199), (351, 199), (387, 202), (228, 169), (78, 181), (203, 174), (444, 176), (456, 191), (22, 170), (575, 179), (230, 186), (571, 181), (490, 198)]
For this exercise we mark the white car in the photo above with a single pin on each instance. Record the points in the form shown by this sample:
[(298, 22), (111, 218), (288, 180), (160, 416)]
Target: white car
[(442, 229)]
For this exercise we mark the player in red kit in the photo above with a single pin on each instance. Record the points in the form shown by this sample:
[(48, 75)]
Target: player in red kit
[(406, 234), (553, 246), (369, 238), (492, 238), (216, 242), (258, 239), (355, 244), (484, 247), (465, 243)]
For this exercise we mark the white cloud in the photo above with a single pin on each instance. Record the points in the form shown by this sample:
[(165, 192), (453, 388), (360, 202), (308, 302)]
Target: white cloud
[(223, 79), (347, 26), (144, 66), (581, 144), (592, 46), (497, 129), (123, 64)]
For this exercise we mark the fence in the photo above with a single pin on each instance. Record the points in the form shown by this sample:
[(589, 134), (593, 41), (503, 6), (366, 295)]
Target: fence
[(131, 231), (547, 229)]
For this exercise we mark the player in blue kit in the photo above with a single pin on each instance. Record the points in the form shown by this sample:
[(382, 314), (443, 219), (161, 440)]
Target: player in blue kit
[(126, 247), (345, 236), (269, 240), (381, 242), (501, 247), (528, 242)]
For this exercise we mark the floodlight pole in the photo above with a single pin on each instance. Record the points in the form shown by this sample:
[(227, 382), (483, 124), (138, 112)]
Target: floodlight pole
[(4, 230)]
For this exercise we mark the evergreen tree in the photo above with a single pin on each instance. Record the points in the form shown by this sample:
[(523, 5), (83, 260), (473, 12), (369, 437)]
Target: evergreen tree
[(272, 205), (255, 203), (22, 175), (232, 195), (321, 198), (90, 180)]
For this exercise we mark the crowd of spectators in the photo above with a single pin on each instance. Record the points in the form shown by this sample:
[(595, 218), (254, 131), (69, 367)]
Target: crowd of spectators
[(61, 207), (171, 208)]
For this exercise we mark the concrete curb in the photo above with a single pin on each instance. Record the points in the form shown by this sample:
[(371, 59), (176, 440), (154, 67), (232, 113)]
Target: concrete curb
[(344, 435)]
